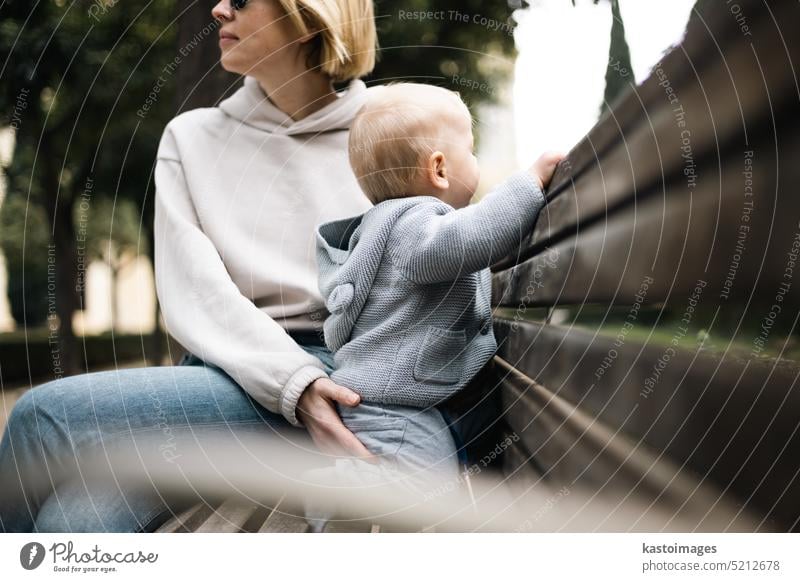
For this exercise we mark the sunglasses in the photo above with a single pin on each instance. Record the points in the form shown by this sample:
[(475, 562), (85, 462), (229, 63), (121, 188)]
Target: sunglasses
[(238, 4)]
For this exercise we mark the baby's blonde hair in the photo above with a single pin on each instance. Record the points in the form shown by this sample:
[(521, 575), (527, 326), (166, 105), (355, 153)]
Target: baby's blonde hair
[(346, 31), (392, 136)]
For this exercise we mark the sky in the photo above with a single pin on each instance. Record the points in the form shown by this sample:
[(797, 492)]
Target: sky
[(560, 72)]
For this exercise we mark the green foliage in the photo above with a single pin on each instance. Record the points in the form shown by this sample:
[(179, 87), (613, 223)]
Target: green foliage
[(74, 74), (82, 70), (462, 39), (112, 230), (619, 72)]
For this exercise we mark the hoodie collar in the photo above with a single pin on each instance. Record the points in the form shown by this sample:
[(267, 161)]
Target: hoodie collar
[(251, 106)]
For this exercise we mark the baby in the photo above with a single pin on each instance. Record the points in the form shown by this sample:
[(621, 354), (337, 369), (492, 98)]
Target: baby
[(407, 283)]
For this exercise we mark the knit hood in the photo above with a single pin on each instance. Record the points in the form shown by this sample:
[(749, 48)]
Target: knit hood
[(349, 253), (251, 106)]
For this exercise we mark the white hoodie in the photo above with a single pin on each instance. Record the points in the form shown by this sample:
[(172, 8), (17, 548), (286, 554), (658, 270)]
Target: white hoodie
[(240, 189)]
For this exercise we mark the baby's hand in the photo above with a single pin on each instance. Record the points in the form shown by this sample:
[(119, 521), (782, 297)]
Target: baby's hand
[(543, 168)]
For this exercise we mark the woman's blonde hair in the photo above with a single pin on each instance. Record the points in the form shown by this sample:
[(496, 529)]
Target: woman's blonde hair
[(347, 36)]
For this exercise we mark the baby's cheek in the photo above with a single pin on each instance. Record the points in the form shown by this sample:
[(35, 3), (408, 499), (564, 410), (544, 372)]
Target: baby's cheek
[(477, 178)]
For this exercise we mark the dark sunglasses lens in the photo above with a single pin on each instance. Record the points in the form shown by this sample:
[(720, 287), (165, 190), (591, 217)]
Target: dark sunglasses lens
[(238, 4)]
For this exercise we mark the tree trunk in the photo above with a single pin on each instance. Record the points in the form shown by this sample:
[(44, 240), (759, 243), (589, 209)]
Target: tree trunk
[(66, 293), (155, 346), (114, 302), (63, 351)]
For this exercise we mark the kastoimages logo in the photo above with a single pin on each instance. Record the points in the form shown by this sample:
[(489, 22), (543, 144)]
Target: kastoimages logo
[(31, 555)]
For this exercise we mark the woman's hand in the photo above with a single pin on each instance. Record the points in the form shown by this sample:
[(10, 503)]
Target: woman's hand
[(317, 411)]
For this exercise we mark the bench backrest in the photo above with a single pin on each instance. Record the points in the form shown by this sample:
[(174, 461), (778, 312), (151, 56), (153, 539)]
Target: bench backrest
[(682, 200)]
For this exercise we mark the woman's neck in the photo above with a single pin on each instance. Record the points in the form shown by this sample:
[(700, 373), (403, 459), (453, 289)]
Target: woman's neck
[(298, 94)]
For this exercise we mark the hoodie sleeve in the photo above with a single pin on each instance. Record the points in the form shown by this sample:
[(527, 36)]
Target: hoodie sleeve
[(430, 244), (204, 310)]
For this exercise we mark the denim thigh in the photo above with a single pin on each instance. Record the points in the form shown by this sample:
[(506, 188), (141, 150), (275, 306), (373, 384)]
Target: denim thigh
[(54, 425), (416, 441)]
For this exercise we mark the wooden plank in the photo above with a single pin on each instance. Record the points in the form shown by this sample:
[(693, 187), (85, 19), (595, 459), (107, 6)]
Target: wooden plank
[(237, 516), (520, 465), (740, 246), (596, 456), (230, 517), (257, 518), (189, 520), (347, 526), (285, 519), (729, 420), (176, 523)]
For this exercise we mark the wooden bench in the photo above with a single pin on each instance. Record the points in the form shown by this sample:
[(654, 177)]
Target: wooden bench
[(238, 517), (614, 431)]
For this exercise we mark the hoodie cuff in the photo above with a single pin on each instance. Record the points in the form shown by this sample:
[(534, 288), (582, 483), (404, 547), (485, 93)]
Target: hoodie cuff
[(287, 403)]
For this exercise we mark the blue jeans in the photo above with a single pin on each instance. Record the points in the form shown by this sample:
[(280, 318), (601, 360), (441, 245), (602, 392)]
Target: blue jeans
[(415, 450), (54, 425)]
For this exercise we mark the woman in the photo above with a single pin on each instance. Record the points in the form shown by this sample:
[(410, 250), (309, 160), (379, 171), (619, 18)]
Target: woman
[(240, 189)]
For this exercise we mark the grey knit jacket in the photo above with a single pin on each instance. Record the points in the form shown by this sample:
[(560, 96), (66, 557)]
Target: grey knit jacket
[(408, 289)]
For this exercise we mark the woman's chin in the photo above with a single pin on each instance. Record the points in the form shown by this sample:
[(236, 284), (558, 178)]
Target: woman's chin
[(229, 63)]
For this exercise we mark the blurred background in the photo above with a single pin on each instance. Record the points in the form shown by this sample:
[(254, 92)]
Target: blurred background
[(88, 86)]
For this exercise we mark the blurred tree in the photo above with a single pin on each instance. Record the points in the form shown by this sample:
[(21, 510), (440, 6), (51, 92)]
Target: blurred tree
[(24, 239), (464, 45), (201, 81), (619, 72), (88, 89), (113, 237)]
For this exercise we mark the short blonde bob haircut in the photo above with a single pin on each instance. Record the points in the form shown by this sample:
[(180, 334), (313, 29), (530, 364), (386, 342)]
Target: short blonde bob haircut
[(394, 133), (347, 37)]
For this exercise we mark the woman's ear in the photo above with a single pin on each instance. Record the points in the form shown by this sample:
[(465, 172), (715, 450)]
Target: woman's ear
[(437, 171)]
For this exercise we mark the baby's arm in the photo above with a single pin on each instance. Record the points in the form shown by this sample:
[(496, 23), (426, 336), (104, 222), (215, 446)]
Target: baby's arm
[(430, 244)]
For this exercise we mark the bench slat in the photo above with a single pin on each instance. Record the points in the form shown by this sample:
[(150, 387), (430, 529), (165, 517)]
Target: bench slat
[(345, 526), (284, 519), (229, 518), (188, 520), (730, 420), (587, 453), (673, 240)]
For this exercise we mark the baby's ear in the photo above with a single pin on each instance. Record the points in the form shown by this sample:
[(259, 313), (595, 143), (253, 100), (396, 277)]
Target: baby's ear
[(437, 171)]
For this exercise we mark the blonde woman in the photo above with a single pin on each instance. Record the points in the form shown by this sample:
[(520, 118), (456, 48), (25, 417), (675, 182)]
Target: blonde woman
[(240, 190)]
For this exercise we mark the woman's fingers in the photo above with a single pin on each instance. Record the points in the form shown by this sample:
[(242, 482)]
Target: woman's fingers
[(348, 443), (323, 422), (340, 394), (345, 396), (333, 437)]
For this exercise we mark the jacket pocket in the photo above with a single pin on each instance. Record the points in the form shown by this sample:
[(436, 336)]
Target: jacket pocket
[(440, 358)]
